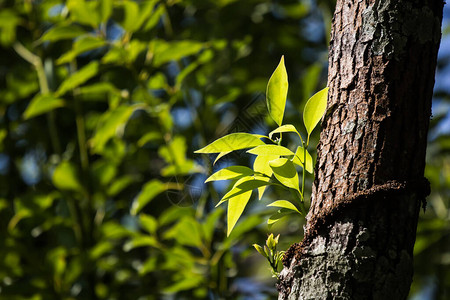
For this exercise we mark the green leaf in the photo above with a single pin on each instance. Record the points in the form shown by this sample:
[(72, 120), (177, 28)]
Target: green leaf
[(236, 207), (65, 177), (186, 231), (220, 155), (260, 250), (314, 110), (136, 15), (285, 128), (276, 93), (148, 223), (106, 8), (298, 159), (245, 184), (41, 104), (151, 136), (62, 32), (110, 125), (78, 78), (278, 216), (149, 191), (231, 142), (284, 204), (209, 225), (270, 150), (141, 241), (284, 170), (119, 185), (233, 172), (84, 12), (164, 51), (82, 45), (261, 165)]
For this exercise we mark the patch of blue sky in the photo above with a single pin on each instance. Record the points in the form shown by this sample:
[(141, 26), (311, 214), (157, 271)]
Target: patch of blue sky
[(114, 31), (182, 117), (4, 164), (56, 10), (29, 169)]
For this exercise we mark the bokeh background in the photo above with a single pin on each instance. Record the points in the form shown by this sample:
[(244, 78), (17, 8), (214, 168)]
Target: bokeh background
[(102, 104)]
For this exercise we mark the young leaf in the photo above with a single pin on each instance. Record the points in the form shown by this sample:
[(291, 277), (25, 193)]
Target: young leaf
[(284, 204), (236, 206), (82, 45), (278, 216), (62, 32), (260, 249), (276, 93), (220, 155), (149, 191), (314, 110), (243, 185), (78, 78), (284, 170), (231, 142), (41, 104), (298, 159), (65, 177), (233, 172), (285, 128), (270, 150), (261, 165)]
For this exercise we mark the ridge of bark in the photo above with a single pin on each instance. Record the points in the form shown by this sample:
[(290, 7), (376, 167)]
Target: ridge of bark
[(327, 216)]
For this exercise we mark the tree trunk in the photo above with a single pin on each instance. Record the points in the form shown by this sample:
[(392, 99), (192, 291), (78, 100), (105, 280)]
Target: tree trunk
[(369, 183)]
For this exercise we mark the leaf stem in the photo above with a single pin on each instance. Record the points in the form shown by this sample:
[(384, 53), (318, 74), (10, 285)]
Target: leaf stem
[(303, 171), (36, 61)]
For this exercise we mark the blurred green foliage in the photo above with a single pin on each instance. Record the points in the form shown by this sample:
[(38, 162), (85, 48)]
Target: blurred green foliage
[(102, 104)]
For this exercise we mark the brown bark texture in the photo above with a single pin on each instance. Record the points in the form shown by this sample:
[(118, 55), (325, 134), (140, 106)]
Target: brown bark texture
[(369, 184)]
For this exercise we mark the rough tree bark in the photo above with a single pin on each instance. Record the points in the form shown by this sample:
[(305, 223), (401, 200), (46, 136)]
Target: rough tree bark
[(369, 183)]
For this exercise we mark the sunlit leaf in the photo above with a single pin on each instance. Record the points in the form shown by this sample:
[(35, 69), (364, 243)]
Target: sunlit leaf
[(231, 142), (141, 241), (164, 51), (276, 93), (186, 283), (314, 110), (210, 224), (233, 172), (119, 185), (106, 8), (284, 128), (84, 12), (284, 204), (65, 177), (78, 78), (110, 124), (82, 45), (270, 150), (278, 216), (284, 170), (149, 191), (148, 223), (152, 136), (41, 104), (244, 184), (136, 15), (236, 207), (103, 172), (298, 159), (261, 165), (220, 155), (186, 231), (62, 32)]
